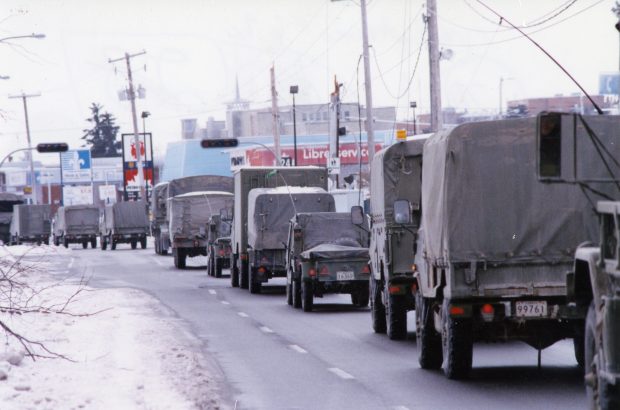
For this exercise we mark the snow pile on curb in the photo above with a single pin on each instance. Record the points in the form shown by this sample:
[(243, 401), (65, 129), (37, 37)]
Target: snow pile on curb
[(133, 354)]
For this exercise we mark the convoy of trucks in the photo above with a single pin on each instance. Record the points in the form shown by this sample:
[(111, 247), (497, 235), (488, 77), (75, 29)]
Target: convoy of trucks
[(30, 223), (124, 222)]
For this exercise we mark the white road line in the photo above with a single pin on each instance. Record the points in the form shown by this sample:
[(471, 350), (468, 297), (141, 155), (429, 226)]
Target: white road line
[(224, 302), (341, 373), (298, 349), (71, 263), (243, 314), (211, 291), (266, 329)]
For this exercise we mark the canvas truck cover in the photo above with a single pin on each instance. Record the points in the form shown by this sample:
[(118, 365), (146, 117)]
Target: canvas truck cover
[(78, 219), (197, 183), (190, 212), (248, 178), (331, 234), (7, 200), (159, 195), (271, 209), (393, 169), (126, 215), (30, 220), (482, 199)]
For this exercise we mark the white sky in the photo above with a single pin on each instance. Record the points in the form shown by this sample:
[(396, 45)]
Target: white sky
[(196, 47)]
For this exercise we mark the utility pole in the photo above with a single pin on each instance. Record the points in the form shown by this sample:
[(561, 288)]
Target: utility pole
[(276, 116), (433, 53), (132, 98), (33, 178), (369, 117)]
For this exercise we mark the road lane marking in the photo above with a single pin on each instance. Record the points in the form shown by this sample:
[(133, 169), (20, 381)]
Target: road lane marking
[(266, 329), (298, 349), (341, 373), (243, 314), (224, 302), (211, 291)]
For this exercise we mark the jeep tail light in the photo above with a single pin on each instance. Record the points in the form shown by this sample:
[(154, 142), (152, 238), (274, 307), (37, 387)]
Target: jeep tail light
[(366, 269), (312, 272), (488, 312), (457, 310)]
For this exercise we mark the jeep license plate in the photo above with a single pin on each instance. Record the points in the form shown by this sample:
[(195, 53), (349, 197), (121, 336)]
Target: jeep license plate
[(531, 308), (345, 275)]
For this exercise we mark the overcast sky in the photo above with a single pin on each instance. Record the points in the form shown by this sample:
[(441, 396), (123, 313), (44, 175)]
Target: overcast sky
[(195, 48)]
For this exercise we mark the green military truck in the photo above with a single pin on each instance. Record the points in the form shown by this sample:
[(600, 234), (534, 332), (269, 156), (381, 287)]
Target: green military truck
[(7, 201), (583, 150), (326, 253), (269, 213), (31, 223), (396, 181), (189, 215), (124, 222), (218, 243), (496, 246), (76, 224), (157, 218), (248, 178)]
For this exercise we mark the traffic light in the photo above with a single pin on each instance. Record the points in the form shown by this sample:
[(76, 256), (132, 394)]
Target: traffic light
[(219, 142), (52, 147)]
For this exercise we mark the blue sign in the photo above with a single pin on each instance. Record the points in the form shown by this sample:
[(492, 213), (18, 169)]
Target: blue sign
[(609, 84), (75, 166), (84, 158)]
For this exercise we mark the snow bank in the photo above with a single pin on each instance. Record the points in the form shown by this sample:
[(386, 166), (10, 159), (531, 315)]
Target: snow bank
[(132, 355)]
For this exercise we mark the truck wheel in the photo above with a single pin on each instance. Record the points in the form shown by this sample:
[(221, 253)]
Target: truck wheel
[(143, 243), (243, 277), (255, 285), (218, 267), (377, 309), (157, 251), (93, 243), (134, 244), (179, 258), (362, 297), (579, 345), (296, 285), (46, 241), (103, 243), (65, 242), (427, 338), (234, 273), (307, 296), (56, 241), (396, 317), (113, 244), (84, 245), (457, 344)]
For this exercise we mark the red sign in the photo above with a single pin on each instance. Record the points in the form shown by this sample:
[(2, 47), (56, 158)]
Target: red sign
[(309, 155)]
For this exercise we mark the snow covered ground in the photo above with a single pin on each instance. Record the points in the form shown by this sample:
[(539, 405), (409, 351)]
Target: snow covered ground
[(133, 354)]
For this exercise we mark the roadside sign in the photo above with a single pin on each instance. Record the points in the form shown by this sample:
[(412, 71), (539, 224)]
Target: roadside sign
[(333, 165), (77, 195), (107, 193), (75, 166)]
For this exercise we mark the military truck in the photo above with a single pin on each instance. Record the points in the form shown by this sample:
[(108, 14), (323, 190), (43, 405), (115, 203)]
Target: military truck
[(496, 246), (159, 197), (189, 215), (161, 235), (269, 213), (248, 178), (31, 223), (218, 243), (76, 224), (124, 222), (327, 253), (396, 181), (7, 201), (583, 150)]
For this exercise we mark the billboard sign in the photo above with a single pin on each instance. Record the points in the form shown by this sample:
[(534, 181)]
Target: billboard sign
[(77, 195), (75, 166), (130, 162), (609, 83)]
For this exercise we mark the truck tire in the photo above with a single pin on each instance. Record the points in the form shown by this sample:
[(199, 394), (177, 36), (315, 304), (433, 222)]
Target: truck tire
[(244, 275), (134, 244), (307, 296), (296, 285), (254, 284), (84, 244), (103, 243), (143, 243), (428, 340), (360, 297), (65, 242), (112, 244), (457, 345), (157, 251), (46, 241), (396, 316), (179, 258), (218, 267), (234, 273), (56, 241), (93, 243), (377, 309)]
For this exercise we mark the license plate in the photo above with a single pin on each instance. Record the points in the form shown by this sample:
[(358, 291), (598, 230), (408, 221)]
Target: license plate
[(345, 275), (531, 308)]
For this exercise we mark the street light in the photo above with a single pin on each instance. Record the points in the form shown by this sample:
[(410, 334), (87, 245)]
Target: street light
[(294, 90), (33, 35), (413, 106), (145, 115)]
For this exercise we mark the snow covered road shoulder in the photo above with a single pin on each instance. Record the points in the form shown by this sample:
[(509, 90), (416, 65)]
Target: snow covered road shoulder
[(134, 354)]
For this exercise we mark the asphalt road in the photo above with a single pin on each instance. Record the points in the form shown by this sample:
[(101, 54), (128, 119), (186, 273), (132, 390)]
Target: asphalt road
[(274, 357)]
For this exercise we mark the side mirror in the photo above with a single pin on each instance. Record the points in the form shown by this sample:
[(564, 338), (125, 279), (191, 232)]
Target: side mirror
[(402, 211), (357, 215), (297, 234)]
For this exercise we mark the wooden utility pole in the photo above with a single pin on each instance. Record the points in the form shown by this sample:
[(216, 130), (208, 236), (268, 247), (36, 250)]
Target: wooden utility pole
[(276, 116), (433, 56), (132, 98), (33, 179)]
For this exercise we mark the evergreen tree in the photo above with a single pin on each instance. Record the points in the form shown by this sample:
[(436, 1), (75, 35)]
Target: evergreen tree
[(102, 136)]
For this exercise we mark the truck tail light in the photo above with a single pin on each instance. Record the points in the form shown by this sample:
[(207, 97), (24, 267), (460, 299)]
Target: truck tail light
[(262, 270), (365, 269), (222, 253), (456, 310), (394, 290), (312, 272), (488, 312)]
